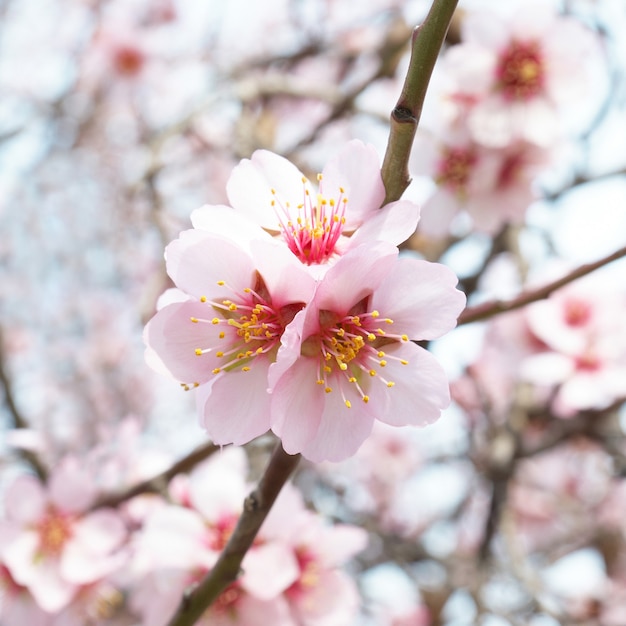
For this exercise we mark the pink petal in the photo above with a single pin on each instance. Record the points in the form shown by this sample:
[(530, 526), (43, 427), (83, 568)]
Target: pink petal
[(49, 589), (356, 169), (20, 556), (174, 338), (289, 351), (219, 486), (297, 405), (172, 538), (340, 543), (286, 278), (438, 213), (228, 223), (394, 223), (354, 276), (250, 185), (196, 261), (420, 390), (341, 431), (269, 569), (235, 406), (333, 600), (421, 299), (71, 489), (25, 499), (100, 532), (253, 611)]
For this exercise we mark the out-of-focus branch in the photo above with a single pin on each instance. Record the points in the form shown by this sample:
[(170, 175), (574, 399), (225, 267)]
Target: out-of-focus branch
[(495, 307), (157, 483), (255, 509), (426, 44), (18, 419)]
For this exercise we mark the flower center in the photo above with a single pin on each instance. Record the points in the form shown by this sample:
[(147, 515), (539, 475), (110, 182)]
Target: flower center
[(250, 326), (349, 350), (577, 312), (313, 228), (222, 531), (128, 60), (454, 169), (520, 73), (54, 530), (309, 573)]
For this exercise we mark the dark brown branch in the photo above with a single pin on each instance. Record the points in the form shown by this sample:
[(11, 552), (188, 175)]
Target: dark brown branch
[(19, 421), (495, 307), (157, 483), (255, 509)]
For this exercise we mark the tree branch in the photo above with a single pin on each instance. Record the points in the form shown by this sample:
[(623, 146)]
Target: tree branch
[(426, 44), (255, 509), (159, 482), (495, 307), (18, 420)]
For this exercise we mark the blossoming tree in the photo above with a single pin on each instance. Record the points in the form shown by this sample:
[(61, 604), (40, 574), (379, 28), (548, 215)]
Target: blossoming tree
[(329, 313)]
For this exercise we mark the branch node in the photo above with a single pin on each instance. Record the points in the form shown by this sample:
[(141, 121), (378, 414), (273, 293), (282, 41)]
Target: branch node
[(251, 503)]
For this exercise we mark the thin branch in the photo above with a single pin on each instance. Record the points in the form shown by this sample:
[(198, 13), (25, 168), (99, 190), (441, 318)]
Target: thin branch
[(255, 509), (426, 44), (157, 483), (19, 422), (495, 307)]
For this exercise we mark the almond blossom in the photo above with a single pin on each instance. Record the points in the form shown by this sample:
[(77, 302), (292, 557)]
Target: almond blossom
[(347, 359), (318, 224), (289, 576), (518, 70), (51, 546), (493, 185), (225, 334), (581, 326)]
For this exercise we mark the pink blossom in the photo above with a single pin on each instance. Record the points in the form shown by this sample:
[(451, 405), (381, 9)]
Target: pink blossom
[(179, 544), (17, 605), (347, 359), (582, 329), (50, 545), (317, 225), (493, 185), (223, 337), (517, 71), (321, 594), (289, 576)]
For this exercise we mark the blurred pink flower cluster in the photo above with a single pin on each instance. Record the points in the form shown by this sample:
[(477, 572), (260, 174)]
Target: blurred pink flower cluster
[(499, 112), (569, 347), (64, 561), (293, 312)]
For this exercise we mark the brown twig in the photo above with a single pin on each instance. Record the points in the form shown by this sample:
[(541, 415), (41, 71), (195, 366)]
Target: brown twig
[(489, 309), (19, 422), (255, 509), (157, 483)]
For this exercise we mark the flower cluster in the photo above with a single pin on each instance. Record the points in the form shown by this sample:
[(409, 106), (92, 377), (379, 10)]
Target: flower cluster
[(502, 106), (66, 562), (293, 312), (290, 575)]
